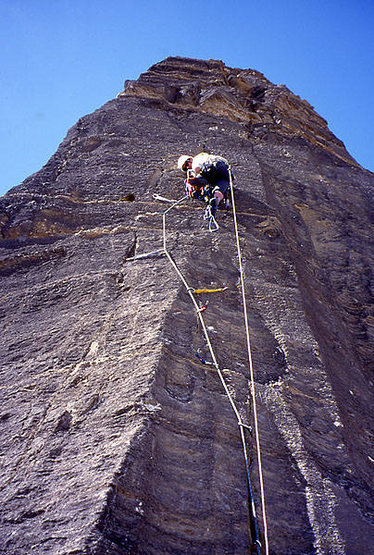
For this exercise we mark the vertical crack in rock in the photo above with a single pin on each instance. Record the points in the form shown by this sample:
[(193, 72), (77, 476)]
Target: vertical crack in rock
[(115, 438)]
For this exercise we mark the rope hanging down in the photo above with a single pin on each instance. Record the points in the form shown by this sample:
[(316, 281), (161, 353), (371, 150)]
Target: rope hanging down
[(242, 426)]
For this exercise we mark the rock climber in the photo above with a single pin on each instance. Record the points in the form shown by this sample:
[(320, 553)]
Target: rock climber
[(207, 179)]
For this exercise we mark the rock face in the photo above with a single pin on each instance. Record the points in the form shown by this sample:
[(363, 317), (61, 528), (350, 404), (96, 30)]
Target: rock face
[(115, 438)]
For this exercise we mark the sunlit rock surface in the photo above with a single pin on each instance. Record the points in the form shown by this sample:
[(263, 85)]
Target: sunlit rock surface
[(115, 438)]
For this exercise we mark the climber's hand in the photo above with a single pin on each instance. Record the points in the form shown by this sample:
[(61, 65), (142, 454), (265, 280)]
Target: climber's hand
[(191, 189)]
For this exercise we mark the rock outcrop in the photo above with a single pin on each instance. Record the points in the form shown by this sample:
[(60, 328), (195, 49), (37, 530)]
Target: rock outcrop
[(115, 438)]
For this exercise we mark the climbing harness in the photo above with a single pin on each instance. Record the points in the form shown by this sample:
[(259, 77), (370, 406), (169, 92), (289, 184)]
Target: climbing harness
[(213, 362)]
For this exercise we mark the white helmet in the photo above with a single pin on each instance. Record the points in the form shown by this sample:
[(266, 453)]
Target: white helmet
[(182, 160)]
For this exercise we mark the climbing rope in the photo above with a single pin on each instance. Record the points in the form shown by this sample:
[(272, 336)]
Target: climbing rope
[(242, 426), (254, 404)]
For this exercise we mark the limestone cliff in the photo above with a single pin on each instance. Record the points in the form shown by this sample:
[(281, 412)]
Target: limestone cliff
[(115, 438)]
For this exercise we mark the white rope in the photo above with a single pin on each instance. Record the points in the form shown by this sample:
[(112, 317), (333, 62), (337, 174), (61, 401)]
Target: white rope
[(256, 428)]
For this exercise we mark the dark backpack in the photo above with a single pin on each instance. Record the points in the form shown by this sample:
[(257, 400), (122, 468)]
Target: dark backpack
[(215, 169)]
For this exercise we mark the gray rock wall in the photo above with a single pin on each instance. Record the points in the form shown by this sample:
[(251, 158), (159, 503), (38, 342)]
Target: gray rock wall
[(115, 438)]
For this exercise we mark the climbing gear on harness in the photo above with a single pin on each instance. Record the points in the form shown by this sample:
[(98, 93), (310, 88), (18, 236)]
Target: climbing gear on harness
[(213, 226), (249, 428)]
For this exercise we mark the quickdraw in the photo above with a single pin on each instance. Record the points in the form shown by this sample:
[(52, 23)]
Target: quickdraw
[(203, 307), (213, 226), (202, 359)]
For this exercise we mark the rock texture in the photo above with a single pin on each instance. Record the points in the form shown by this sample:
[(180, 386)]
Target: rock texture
[(115, 439)]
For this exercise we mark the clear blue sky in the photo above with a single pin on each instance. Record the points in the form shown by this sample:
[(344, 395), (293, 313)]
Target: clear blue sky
[(62, 59)]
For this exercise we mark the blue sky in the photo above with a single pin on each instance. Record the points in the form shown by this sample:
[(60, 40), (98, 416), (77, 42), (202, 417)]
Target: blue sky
[(60, 60)]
